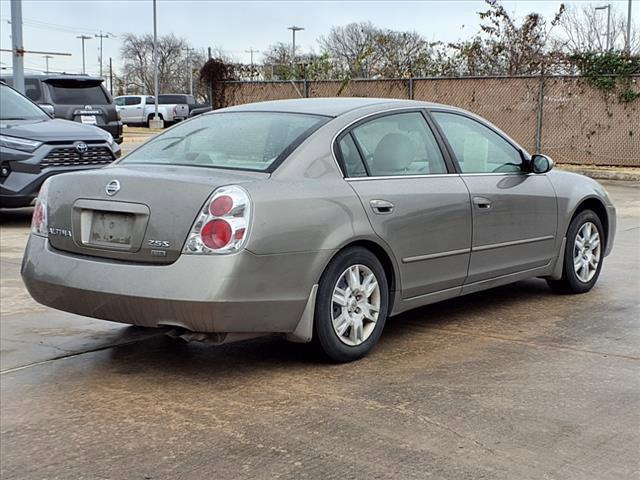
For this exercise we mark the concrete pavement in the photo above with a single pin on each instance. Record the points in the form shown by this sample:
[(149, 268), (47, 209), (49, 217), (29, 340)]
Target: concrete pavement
[(511, 383)]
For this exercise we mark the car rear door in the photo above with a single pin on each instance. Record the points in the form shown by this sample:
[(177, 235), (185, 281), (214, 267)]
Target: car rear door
[(414, 204), (514, 212), (133, 111)]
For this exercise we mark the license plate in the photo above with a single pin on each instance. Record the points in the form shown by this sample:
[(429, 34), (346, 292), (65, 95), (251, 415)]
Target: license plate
[(109, 228), (88, 119)]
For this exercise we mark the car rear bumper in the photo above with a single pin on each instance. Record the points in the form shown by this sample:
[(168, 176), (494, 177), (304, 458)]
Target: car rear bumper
[(238, 293)]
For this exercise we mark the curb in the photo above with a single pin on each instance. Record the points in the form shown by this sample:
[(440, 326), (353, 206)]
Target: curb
[(604, 174)]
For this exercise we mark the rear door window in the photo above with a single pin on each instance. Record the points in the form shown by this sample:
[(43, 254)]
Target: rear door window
[(78, 93), (399, 144), (132, 101), (33, 90), (351, 157)]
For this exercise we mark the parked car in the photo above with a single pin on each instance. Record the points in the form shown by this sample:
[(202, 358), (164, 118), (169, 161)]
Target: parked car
[(194, 108), (313, 218), (33, 147), (79, 98), (140, 109)]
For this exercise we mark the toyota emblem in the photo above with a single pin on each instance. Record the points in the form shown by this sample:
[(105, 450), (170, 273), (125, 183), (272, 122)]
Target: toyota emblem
[(81, 147), (112, 187)]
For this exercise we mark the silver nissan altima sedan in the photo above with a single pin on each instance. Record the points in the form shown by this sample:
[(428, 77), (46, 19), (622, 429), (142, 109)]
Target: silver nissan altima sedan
[(315, 219)]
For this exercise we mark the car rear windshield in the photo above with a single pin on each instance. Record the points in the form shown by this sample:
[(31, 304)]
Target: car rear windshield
[(256, 141), (78, 93)]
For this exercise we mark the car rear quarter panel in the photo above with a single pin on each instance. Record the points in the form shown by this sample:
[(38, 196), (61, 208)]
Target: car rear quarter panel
[(307, 205)]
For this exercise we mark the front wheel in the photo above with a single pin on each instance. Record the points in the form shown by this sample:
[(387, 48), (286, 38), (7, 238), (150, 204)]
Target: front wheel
[(351, 305), (583, 255)]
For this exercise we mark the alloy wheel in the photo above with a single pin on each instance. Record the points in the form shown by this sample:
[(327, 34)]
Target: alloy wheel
[(355, 305), (586, 252)]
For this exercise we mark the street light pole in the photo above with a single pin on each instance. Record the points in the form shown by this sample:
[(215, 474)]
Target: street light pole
[(157, 122), (628, 43), (17, 46), (83, 38), (607, 7), (294, 29)]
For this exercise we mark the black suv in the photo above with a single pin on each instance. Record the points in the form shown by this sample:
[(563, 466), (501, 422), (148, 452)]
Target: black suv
[(74, 97), (33, 146)]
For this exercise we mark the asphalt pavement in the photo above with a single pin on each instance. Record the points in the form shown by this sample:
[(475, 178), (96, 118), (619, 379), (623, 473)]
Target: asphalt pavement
[(512, 383)]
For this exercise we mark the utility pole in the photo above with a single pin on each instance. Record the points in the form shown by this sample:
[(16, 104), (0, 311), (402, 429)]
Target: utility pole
[(101, 36), (607, 7), (110, 76), (628, 43), (83, 38), (46, 59), (17, 46), (189, 50), (251, 51), (294, 29), (157, 122)]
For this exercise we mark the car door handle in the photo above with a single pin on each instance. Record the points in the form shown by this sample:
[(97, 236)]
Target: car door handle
[(481, 202), (381, 207)]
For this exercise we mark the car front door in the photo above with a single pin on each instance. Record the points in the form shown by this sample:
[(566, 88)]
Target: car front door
[(397, 168), (514, 212)]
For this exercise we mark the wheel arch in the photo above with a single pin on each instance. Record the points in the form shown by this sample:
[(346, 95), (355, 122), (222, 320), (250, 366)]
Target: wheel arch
[(386, 259), (599, 208)]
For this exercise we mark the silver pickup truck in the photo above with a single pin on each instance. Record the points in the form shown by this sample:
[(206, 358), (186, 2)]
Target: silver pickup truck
[(139, 109)]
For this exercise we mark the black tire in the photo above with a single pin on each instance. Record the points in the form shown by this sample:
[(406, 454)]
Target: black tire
[(324, 334), (569, 283)]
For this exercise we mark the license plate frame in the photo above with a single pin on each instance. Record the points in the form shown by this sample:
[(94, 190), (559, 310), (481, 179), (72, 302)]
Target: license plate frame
[(111, 229)]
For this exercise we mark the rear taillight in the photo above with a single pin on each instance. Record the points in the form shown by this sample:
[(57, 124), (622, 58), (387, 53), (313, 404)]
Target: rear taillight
[(223, 223), (39, 224)]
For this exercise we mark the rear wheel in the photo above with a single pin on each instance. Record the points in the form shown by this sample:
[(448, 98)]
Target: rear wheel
[(351, 305), (583, 254)]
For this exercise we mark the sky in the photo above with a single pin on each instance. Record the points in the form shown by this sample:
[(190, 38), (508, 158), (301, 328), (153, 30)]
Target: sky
[(236, 26)]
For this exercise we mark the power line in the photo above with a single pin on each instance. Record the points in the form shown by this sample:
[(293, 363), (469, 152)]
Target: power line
[(54, 26)]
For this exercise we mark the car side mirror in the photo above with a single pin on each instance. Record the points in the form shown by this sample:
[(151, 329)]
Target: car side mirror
[(48, 109), (541, 163)]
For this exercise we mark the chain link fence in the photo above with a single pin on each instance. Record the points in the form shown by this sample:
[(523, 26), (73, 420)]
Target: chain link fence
[(564, 117)]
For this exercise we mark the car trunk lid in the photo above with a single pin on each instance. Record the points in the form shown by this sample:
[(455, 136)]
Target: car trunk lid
[(133, 213)]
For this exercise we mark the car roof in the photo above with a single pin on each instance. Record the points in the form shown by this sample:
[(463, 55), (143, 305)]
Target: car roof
[(330, 106), (58, 76)]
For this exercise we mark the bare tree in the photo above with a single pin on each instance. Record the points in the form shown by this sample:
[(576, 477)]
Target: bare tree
[(276, 61), (173, 64), (403, 54), (352, 48), (584, 29)]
